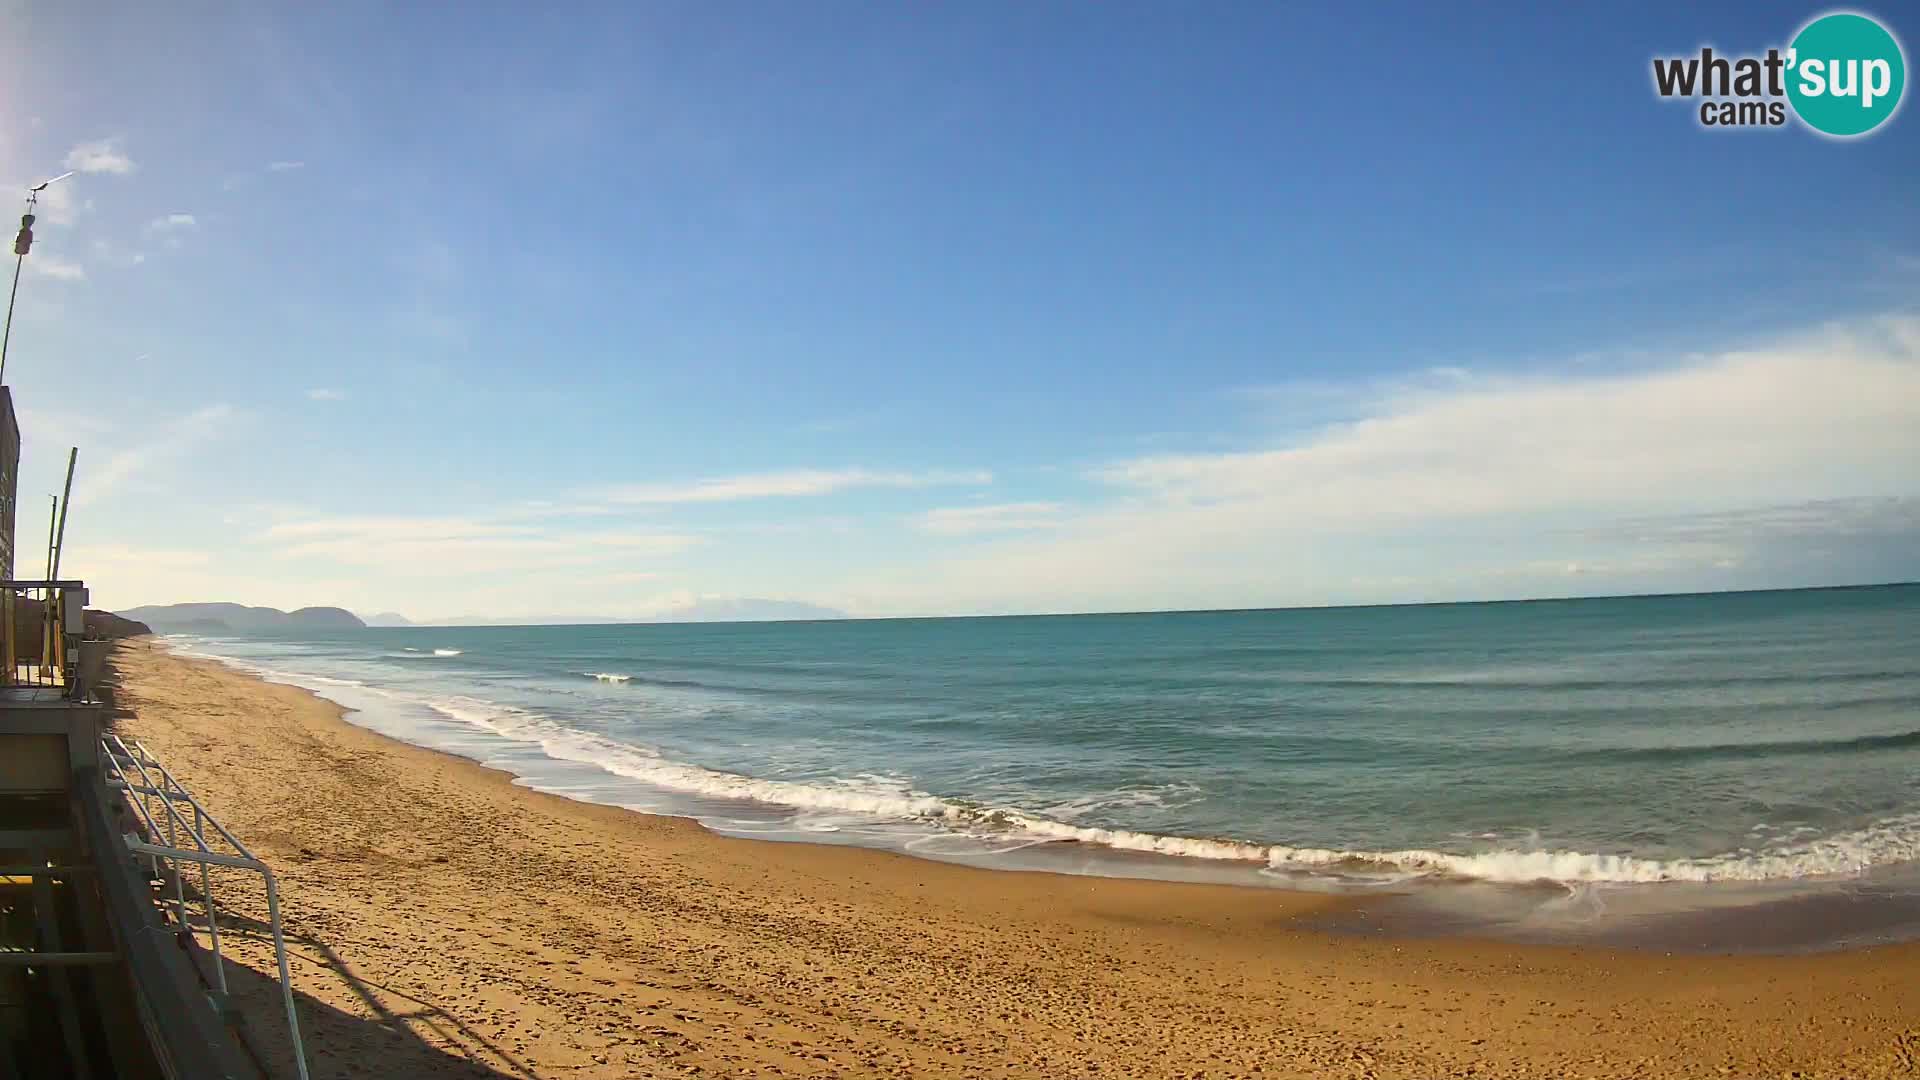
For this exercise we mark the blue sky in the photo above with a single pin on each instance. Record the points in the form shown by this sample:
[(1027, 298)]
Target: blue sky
[(976, 308)]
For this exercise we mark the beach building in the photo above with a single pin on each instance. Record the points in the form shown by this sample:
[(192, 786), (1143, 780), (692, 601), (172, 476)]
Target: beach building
[(110, 962)]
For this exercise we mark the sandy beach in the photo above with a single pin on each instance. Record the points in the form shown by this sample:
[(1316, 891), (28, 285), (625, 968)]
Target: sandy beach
[(446, 922)]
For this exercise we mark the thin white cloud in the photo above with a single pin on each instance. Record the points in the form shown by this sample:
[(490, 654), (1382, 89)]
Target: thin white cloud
[(1430, 483), (420, 547), (120, 576), (619, 578), (375, 529), (170, 228), (790, 483), (321, 393), (106, 252), (1001, 517), (1887, 514), (57, 206), (238, 180), (166, 442), (44, 265), (99, 156), (1747, 424), (547, 509), (113, 554)]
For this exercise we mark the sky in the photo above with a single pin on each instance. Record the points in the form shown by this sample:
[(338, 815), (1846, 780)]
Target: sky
[(947, 309)]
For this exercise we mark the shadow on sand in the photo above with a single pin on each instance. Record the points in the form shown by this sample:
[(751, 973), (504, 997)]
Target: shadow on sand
[(388, 1032)]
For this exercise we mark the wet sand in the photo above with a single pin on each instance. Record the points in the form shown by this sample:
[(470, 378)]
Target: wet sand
[(446, 922)]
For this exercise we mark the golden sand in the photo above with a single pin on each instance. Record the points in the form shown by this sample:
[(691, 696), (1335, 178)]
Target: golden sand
[(445, 922)]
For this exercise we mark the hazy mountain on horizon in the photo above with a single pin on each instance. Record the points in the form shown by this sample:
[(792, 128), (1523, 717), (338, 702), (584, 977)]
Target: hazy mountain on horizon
[(711, 609), (239, 618), (522, 620), (746, 609)]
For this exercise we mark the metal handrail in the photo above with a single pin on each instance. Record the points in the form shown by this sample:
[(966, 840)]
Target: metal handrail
[(170, 792)]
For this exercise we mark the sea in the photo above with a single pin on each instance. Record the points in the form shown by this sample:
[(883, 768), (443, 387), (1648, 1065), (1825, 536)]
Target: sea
[(1544, 768)]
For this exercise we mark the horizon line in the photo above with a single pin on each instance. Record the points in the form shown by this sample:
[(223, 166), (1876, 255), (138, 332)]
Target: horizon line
[(619, 621)]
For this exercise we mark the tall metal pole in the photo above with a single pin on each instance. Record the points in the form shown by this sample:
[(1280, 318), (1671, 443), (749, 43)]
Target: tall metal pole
[(53, 512), (21, 244), (8, 336), (46, 597), (66, 497)]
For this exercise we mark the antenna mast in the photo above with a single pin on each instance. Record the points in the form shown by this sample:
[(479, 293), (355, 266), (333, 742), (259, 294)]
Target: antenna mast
[(53, 513), (21, 245), (60, 541)]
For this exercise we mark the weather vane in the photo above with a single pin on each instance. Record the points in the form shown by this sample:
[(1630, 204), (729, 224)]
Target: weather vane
[(22, 244)]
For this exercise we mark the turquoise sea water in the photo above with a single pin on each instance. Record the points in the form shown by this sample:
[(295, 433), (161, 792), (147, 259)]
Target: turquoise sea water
[(1751, 737)]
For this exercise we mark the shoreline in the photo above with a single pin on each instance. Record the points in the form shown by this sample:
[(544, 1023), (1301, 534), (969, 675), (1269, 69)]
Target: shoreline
[(442, 914), (1821, 913)]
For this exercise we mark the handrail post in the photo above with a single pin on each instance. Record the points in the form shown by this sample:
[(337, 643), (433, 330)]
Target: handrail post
[(170, 791), (206, 893), (173, 817), (286, 976)]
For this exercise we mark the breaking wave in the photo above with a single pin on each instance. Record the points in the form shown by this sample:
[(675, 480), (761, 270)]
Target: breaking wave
[(1892, 840)]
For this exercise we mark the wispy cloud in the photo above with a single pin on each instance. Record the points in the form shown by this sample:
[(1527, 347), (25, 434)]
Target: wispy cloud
[(1888, 514), (167, 441), (444, 546), (1002, 517), (1739, 424), (168, 229), (321, 393), (99, 156), (53, 266), (791, 483), (57, 205), (106, 252), (248, 177), (1474, 470), (120, 575), (375, 529), (625, 577)]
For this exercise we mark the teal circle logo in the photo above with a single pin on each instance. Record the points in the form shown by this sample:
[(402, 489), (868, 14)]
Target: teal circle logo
[(1845, 74)]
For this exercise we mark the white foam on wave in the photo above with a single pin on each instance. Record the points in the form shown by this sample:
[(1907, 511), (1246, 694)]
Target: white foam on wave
[(446, 652), (607, 676), (637, 763), (1890, 841), (293, 678), (1157, 796), (1798, 856)]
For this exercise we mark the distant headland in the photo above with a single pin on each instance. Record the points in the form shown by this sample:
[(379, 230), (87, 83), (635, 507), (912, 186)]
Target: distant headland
[(238, 618), (224, 618)]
